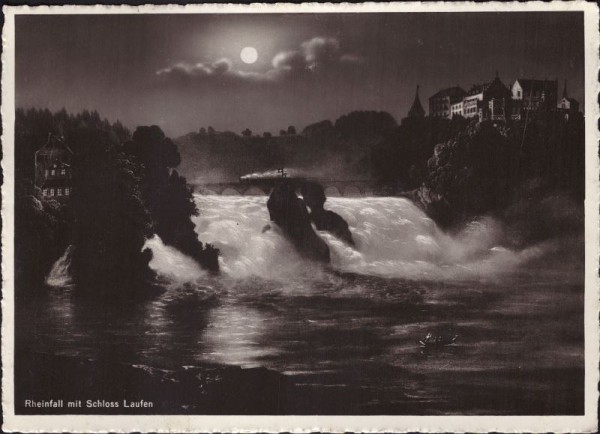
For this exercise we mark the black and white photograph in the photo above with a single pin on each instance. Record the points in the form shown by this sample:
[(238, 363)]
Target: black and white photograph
[(261, 212)]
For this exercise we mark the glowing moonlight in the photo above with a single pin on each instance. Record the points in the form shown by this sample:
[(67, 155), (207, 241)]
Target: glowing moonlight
[(249, 55)]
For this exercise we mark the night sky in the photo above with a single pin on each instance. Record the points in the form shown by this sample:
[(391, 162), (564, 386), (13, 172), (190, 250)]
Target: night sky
[(183, 72)]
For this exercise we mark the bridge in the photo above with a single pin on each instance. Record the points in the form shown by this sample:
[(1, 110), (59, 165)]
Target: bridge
[(263, 186)]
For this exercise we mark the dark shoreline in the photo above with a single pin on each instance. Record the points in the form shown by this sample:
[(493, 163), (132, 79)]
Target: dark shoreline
[(201, 389), (214, 389)]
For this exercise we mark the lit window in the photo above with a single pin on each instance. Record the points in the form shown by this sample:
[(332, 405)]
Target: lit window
[(51, 192), (59, 192), (63, 171), (46, 172), (67, 191), (45, 192), (52, 172)]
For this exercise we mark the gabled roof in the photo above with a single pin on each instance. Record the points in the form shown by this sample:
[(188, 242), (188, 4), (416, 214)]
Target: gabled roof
[(478, 88), (455, 93), (55, 143), (483, 87), (566, 95), (571, 100), (532, 85)]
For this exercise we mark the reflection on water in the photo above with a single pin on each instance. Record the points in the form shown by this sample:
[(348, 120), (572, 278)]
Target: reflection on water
[(356, 332), (234, 336)]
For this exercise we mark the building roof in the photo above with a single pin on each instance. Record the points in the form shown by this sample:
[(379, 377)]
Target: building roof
[(532, 85), (496, 83), (455, 93), (54, 143), (479, 88), (416, 109), (571, 100)]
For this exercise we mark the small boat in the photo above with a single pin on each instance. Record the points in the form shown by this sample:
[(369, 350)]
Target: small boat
[(437, 341)]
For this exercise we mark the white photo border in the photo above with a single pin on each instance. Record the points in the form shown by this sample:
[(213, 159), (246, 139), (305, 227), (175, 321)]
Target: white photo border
[(94, 423)]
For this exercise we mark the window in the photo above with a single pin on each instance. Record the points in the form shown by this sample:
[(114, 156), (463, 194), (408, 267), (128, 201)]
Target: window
[(519, 93), (46, 172), (63, 171), (67, 191), (51, 192), (59, 191), (45, 191), (53, 172)]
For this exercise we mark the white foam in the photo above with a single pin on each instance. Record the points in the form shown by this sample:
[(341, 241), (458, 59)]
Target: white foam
[(394, 239)]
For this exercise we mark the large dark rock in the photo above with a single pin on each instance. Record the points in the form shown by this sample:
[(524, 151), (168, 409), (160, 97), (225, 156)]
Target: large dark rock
[(314, 197), (290, 214)]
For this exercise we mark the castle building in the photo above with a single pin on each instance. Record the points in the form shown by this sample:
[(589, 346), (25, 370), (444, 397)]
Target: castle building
[(447, 103), (53, 168), (494, 101), (530, 94), (488, 101), (567, 106)]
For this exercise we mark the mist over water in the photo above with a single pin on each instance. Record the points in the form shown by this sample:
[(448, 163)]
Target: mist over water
[(171, 263), (394, 238)]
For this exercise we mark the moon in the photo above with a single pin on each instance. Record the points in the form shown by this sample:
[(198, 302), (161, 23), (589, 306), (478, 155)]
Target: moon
[(249, 55)]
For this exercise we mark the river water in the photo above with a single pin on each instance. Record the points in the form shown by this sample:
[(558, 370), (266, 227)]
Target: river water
[(347, 334)]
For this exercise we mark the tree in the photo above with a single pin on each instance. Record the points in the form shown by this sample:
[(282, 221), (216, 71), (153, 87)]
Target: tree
[(247, 132), (365, 124), (46, 227), (267, 135), (202, 131), (282, 132), (468, 175), (41, 236), (167, 195), (291, 130), (110, 221)]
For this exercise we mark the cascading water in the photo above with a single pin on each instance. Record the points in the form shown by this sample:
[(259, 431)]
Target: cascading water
[(59, 275), (393, 237), (171, 263)]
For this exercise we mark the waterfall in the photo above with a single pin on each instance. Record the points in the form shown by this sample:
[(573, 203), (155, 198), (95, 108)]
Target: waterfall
[(59, 275), (394, 238), (171, 263)]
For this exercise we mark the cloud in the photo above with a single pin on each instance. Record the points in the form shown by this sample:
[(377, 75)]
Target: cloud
[(311, 57), (288, 61), (321, 51), (222, 66), (219, 67)]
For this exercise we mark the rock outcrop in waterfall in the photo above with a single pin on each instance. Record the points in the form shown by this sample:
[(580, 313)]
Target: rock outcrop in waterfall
[(290, 214), (325, 220)]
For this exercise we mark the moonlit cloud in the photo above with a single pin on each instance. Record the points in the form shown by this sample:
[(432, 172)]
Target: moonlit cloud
[(311, 56), (319, 51)]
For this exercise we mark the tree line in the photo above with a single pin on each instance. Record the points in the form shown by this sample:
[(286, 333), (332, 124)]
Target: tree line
[(454, 168)]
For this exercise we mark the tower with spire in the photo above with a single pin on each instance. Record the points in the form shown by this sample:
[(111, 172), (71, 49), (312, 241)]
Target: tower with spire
[(416, 110), (568, 106)]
